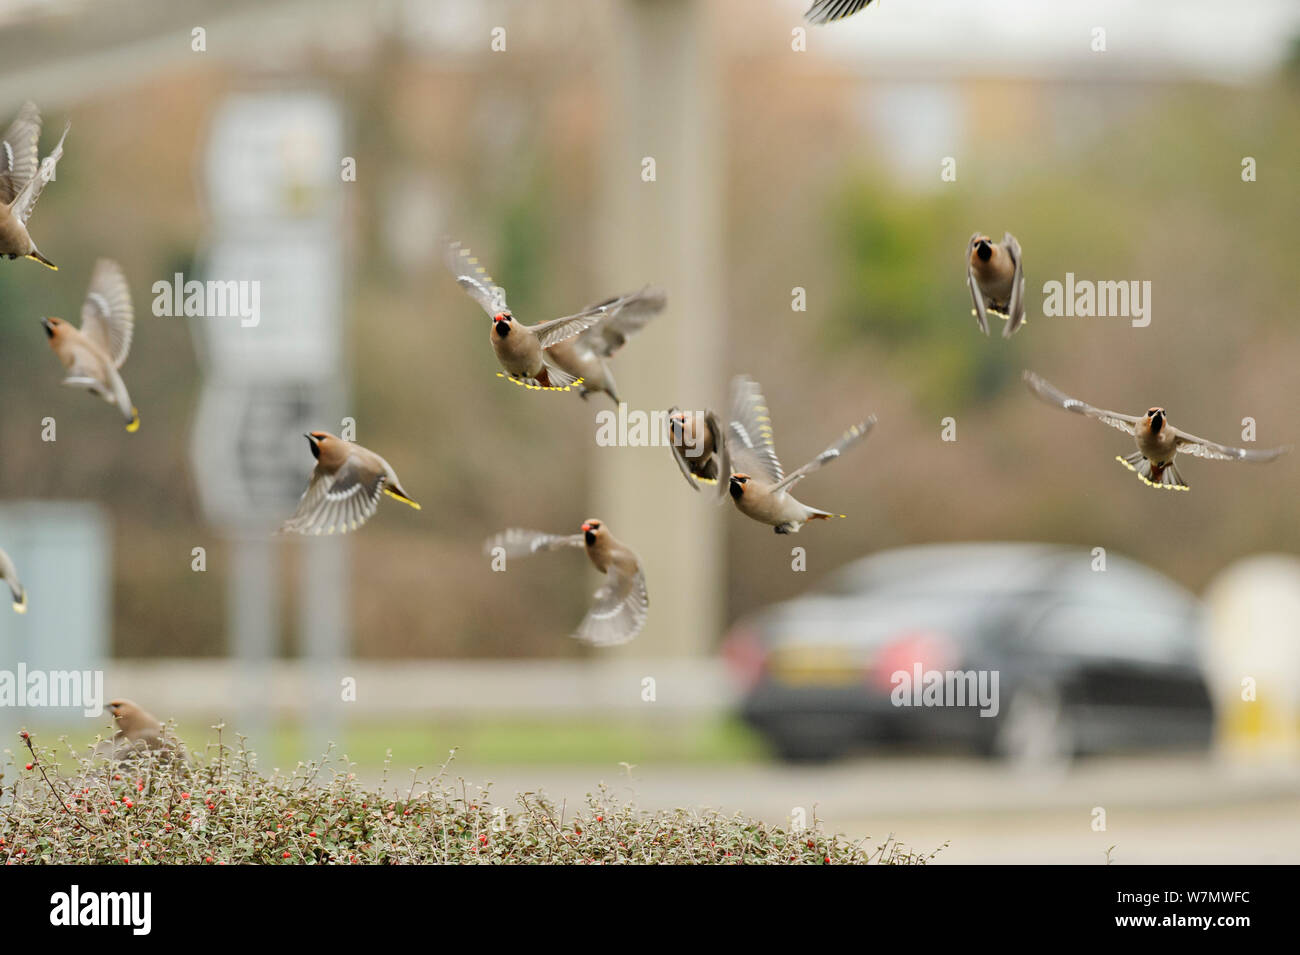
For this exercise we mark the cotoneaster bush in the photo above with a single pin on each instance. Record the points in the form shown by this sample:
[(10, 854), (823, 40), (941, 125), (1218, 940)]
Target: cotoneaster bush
[(218, 809)]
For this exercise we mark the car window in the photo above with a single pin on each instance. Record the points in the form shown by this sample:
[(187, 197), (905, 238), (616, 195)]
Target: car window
[(1128, 631)]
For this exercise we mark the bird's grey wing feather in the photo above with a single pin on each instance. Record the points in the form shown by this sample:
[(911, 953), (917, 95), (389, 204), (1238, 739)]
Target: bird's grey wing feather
[(9, 574), (1016, 307), (621, 317), (826, 11), (25, 201), (679, 455), (562, 329), (1047, 392), (618, 610), (749, 434), (519, 542), (846, 441), (18, 152), (474, 279), (337, 503), (1201, 448), (107, 317), (977, 297), (722, 449)]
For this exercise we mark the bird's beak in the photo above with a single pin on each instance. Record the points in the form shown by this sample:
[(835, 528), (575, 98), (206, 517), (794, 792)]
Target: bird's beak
[(49, 328), (586, 527)]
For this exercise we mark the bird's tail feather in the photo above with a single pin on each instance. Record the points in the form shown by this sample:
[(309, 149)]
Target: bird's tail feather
[(533, 384), (399, 496), (1159, 476), (37, 257)]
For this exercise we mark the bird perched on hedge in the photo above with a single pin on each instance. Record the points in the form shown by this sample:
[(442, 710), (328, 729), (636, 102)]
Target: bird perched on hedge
[(584, 355), (699, 446), (139, 735), (997, 282), (9, 574), (344, 489), (21, 182), (619, 607), (825, 11), (521, 349), (1158, 442), (93, 354), (760, 488), (137, 728)]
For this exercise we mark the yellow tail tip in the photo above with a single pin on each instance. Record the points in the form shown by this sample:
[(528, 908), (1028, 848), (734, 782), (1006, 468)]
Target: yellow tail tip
[(405, 500), (20, 605), (134, 424)]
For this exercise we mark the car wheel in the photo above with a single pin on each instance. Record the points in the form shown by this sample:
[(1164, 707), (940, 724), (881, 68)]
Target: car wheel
[(1035, 731), (816, 745)]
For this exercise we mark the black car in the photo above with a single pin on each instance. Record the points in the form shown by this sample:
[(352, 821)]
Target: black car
[(1066, 651)]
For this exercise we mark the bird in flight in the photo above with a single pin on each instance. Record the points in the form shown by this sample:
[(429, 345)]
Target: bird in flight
[(620, 605), (1158, 441), (21, 182), (761, 489), (997, 281), (521, 349), (93, 353), (345, 487)]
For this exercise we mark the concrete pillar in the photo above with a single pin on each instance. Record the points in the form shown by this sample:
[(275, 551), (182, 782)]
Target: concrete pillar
[(661, 78)]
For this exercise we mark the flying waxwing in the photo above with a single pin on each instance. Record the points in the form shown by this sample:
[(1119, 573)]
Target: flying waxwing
[(1158, 442), (21, 182), (996, 280), (619, 607), (760, 488), (93, 353), (344, 489)]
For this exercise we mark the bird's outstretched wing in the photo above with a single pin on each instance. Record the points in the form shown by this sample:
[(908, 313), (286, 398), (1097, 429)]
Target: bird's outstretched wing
[(519, 542), (976, 296), (1201, 448), (618, 609), (471, 276), (339, 502), (25, 201), (107, 317), (826, 11), (9, 574), (1016, 307), (749, 434), (562, 329), (846, 441), (18, 155), (621, 317), (1044, 390)]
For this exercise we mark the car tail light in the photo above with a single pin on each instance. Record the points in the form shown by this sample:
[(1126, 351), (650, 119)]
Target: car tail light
[(745, 655), (932, 650)]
